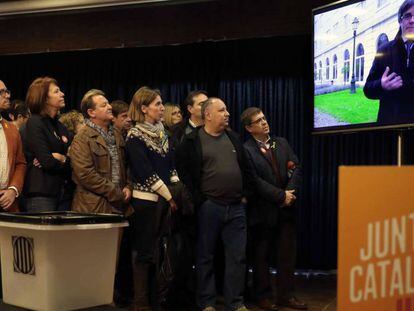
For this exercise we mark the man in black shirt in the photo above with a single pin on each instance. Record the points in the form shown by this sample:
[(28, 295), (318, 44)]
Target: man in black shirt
[(212, 164)]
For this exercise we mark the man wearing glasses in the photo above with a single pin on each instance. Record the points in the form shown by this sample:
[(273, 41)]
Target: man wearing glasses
[(391, 78), (12, 161), (271, 217)]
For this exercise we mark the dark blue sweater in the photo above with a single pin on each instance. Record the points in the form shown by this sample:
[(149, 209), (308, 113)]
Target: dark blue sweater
[(147, 166)]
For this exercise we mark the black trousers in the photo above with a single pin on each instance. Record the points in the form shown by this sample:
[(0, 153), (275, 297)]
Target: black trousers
[(145, 229), (182, 292), (123, 277), (262, 249)]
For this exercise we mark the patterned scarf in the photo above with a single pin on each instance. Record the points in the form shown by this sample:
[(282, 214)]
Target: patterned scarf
[(153, 135), (110, 141)]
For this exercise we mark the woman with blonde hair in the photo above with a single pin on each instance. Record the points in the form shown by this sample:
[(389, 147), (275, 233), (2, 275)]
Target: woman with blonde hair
[(152, 171), (172, 116), (73, 120)]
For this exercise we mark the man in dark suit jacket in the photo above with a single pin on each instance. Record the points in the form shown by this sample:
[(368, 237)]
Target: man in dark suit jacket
[(391, 78), (12, 162), (192, 116), (277, 177)]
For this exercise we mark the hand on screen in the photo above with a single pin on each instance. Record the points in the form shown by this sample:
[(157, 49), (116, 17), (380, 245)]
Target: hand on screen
[(391, 81)]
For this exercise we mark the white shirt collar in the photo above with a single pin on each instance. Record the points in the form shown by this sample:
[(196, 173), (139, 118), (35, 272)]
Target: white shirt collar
[(266, 143), (192, 123)]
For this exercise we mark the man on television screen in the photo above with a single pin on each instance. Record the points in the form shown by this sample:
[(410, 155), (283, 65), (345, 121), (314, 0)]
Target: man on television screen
[(391, 79)]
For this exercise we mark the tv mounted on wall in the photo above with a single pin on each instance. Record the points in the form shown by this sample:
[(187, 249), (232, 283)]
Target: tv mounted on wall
[(362, 69)]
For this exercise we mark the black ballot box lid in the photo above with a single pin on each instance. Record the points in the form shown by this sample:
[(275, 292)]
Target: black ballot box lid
[(62, 218)]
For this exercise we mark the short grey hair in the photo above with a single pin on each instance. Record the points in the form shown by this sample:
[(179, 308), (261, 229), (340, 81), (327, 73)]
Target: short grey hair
[(205, 104)]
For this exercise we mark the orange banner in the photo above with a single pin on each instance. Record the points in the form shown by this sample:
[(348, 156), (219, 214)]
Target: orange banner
[(376, 238)]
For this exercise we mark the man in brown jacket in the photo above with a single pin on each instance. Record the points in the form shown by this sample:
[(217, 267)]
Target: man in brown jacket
[(98, 159), (12, 161)]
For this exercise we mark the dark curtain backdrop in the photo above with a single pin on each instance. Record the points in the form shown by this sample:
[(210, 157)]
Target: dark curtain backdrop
[(272, 73)]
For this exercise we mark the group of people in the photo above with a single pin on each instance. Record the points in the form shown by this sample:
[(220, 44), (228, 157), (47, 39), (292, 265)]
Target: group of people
[(145, 160)]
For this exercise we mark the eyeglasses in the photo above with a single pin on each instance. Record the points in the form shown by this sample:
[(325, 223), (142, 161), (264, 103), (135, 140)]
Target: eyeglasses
[(4, 91), (407, 17), (260, 120)]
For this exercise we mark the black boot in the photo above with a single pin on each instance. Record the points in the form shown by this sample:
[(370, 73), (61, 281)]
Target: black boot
[(140, 273)]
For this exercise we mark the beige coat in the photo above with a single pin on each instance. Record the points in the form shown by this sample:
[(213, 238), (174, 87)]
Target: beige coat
[(91, 164)]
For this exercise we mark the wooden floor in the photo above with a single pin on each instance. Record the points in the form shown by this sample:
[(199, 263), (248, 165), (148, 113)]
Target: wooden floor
[(318, 290)]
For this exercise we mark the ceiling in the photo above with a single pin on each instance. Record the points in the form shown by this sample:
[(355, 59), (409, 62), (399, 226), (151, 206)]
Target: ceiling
[(22, 7)]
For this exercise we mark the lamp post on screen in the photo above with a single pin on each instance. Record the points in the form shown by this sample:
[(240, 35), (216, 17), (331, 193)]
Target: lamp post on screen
[(355, 23)]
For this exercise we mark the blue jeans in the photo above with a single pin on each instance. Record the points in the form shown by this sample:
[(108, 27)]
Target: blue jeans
[(227, 222)]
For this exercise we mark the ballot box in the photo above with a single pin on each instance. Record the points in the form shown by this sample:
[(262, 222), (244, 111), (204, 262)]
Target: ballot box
[(58, 261)]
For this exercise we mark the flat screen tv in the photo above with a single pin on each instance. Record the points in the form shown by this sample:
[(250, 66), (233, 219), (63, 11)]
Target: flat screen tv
[(363, 65)]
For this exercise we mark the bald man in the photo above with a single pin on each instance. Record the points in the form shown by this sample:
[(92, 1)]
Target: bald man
[(212, 164)]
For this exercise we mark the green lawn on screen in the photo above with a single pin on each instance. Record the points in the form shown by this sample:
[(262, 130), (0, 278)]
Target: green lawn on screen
[(347, 107)]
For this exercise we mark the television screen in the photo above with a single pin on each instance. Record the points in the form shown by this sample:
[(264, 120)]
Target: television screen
[(363, 65)]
